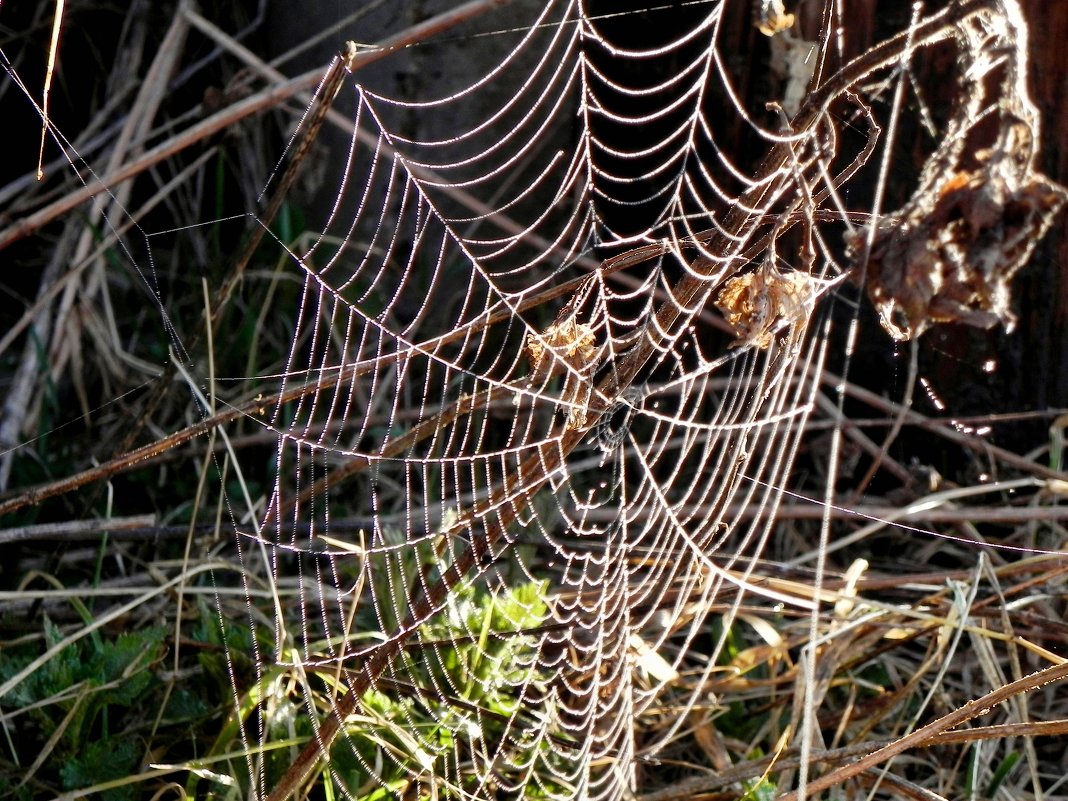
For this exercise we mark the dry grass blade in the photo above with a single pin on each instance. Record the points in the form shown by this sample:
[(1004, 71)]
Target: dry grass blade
[(53, 48)]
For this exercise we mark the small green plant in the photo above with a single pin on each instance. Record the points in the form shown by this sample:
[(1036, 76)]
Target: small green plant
[(761, 789), (459, 692), (77, 716), (105, 706)]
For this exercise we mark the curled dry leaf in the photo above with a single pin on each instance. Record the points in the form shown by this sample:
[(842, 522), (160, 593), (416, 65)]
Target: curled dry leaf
[(757, 304), (954, 260), (949, 255), (771, 17), (566, 343)]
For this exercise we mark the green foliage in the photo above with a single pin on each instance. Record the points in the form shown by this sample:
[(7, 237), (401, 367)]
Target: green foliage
[(461, 689), (106, 673), (100, 761), (90, 713), (231, 648), (481, 654), (92, 691), (1001, 772), (760, 790)]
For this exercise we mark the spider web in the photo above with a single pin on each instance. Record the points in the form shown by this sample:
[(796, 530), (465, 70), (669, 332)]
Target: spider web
[(560, 359), (552, 361)]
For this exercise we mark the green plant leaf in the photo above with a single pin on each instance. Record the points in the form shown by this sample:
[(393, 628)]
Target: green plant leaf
[(101, 761)]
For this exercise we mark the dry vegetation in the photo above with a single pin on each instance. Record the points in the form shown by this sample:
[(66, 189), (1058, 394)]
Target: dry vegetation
[(132, 617)]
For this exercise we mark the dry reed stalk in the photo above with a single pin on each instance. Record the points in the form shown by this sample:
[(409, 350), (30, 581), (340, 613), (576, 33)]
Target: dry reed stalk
[(261, 101)]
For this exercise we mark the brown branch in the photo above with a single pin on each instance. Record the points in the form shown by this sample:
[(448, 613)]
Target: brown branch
[(688, 788), (252, 408), (76, 529), (503, 507), (238, 111), (213, 124), (943, 429), (972, 709)]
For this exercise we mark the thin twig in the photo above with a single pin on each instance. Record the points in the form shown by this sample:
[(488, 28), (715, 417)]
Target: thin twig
[(75, 529), (238, 111), (972, 709)]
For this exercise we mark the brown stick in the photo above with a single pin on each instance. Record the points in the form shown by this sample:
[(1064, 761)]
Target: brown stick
[(75, 529), (945, 430), (972, 709), (127, 460), (238, 111), (688, 788)]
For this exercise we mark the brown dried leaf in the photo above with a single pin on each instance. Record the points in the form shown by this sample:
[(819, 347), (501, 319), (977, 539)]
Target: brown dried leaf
[(953, 260), (573, 342), (566, 342), (755, 304)]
